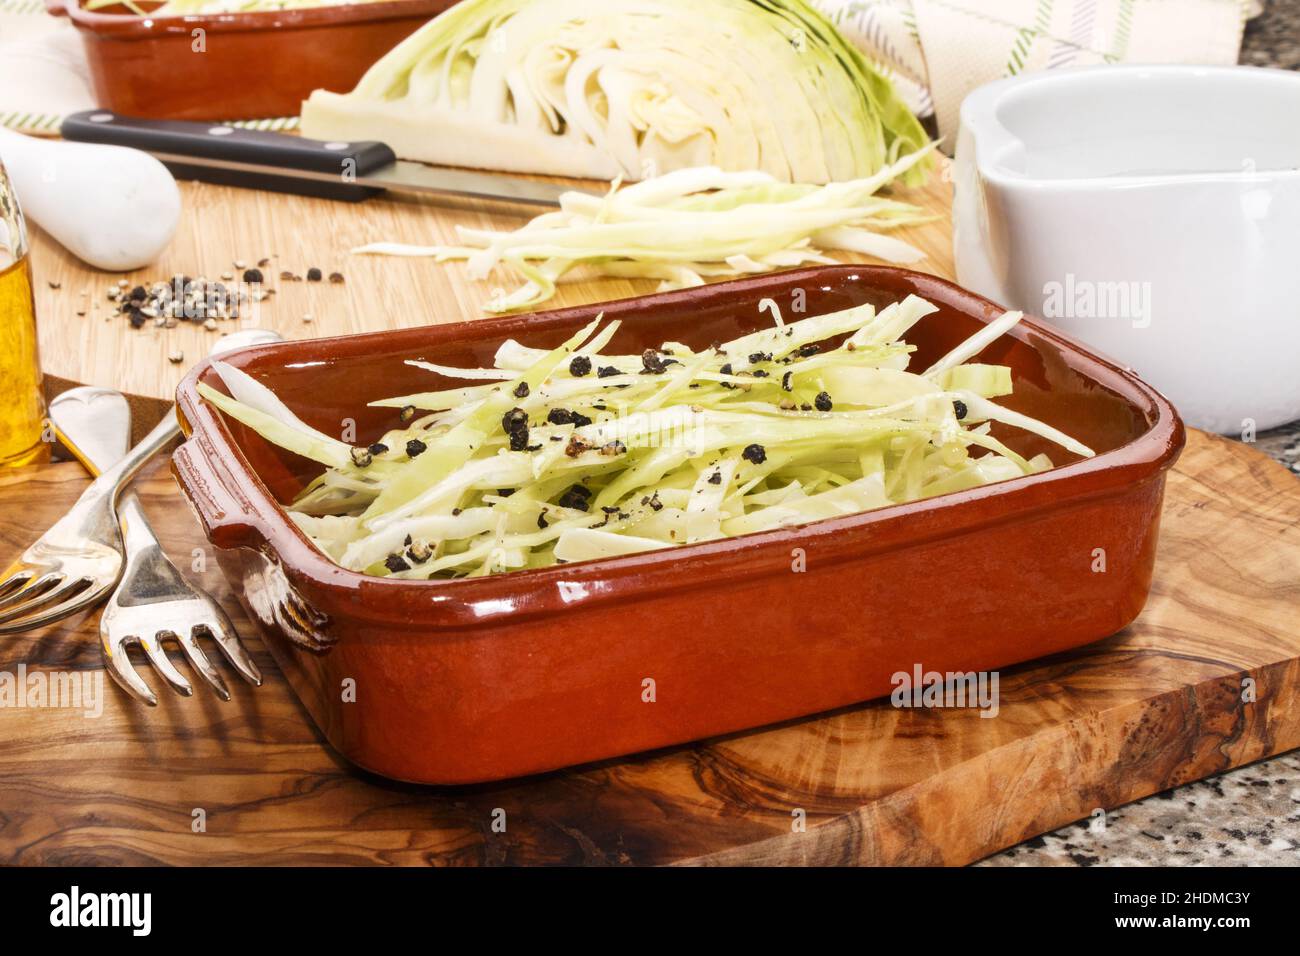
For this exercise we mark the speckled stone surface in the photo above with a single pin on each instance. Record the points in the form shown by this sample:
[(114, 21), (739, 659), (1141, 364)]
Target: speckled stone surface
[(1283, 444), (1250, 816), (1273, 38), (1246, 817)]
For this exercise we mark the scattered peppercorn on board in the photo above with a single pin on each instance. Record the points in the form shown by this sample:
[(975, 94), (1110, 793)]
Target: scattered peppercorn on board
[(85, 317), (1207, 678)]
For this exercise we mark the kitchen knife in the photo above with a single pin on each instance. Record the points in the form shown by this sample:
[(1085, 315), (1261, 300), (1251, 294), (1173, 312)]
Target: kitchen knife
[(256, 159)]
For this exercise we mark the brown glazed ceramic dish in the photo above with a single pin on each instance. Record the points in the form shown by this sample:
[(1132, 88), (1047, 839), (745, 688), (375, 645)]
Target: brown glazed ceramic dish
[(480, 679), (252, 65)]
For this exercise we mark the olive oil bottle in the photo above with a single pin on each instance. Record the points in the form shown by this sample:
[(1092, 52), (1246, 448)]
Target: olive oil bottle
[(22, 406)]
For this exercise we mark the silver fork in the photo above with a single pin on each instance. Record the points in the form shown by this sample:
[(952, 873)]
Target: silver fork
[(79, 559), (153, 603)]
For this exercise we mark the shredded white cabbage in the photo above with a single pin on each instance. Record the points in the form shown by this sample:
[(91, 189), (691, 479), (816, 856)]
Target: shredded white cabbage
[(683, 227), (572, 454)]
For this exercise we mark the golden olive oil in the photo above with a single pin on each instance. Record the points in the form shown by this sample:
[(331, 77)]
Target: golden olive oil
[(22, 406)]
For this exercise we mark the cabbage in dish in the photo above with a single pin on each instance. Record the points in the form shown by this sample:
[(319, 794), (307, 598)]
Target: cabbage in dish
[(574, 454)]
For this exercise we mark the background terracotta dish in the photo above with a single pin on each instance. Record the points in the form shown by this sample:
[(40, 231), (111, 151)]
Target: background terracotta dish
[(481, 679), (254, 66)]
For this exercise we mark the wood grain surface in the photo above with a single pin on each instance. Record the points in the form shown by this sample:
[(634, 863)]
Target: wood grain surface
[(221, 225), (1154, 706)]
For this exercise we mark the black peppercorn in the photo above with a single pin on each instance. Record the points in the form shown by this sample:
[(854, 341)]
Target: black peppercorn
[(576, 446), (652, 363), (562, 416), (823, 402), (515, 424), (577, 497)]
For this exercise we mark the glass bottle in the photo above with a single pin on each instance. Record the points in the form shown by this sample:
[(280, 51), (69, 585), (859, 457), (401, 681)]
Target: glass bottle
[(22, 403)]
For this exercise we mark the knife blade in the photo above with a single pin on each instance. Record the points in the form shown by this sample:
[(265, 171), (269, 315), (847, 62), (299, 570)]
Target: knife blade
[(257, 159)]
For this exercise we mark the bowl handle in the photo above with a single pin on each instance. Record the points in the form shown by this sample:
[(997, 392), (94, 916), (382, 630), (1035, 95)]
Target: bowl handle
[(57, 8), (228, 518)]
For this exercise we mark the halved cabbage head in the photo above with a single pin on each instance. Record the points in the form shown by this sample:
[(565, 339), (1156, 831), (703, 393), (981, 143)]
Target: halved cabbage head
[(603, 88)]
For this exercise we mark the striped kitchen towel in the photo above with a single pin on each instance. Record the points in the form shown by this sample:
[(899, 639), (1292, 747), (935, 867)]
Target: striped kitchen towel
[(937, 51), (43, 74)]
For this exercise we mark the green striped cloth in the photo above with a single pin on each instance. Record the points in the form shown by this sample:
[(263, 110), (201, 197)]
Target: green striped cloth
[(937, 51)]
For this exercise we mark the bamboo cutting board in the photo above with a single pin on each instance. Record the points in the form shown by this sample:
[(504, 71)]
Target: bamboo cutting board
[(84, 343), (1208, 678)]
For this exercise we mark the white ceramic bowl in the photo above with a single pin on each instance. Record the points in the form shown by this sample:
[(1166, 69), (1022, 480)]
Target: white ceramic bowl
[(1154, 213)]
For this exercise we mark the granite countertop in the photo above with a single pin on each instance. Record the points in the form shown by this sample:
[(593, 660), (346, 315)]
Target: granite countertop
[(1248, 816), (1273, 37), (1245, 817)]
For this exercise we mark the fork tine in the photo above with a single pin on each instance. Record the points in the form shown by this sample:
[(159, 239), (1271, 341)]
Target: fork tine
[(162, 664), (120, 669), (199, 661), (81, 598), (30, 591), (58, 591), (15, 581), (52, 589), (223, 632)]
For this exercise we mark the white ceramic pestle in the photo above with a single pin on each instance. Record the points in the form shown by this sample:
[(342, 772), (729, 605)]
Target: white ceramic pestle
[(112, 207)]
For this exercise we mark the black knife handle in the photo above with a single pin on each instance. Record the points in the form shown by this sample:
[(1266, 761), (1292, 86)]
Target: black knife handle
[(213, 141)]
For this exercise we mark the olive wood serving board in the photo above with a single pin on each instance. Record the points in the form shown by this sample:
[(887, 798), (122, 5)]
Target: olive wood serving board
[(221, 225), (1207, 678)]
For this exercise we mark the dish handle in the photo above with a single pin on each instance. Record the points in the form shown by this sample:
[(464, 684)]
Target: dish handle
[(228, 518), (57, 8)]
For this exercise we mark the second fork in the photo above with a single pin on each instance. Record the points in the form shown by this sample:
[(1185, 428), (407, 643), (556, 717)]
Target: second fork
[(152, 602)]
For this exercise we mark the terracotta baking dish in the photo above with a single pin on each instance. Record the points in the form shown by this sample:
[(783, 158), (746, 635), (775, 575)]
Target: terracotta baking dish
[(252, 66), (473, 680)]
